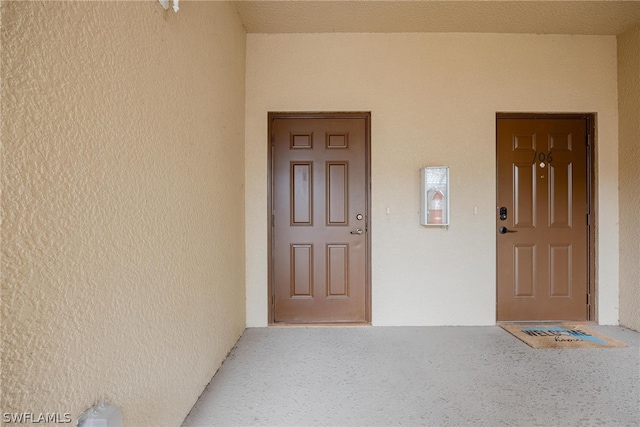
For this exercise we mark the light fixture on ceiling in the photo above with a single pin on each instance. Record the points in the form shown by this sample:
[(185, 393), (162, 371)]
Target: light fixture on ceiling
[(165, 4)]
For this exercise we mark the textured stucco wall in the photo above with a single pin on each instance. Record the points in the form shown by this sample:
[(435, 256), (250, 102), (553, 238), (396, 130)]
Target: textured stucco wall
[(122, 204), (629, 175), (433, 99)]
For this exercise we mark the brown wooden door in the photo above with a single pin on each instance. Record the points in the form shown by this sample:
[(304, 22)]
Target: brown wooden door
[(320, 217), (542, 245)]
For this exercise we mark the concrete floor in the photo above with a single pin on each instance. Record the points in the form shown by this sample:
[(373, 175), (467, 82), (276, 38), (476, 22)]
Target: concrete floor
[(433, 376)]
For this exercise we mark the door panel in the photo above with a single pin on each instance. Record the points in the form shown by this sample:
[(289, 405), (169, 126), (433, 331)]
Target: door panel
[(319, 172), (542, 246), (301, 193)]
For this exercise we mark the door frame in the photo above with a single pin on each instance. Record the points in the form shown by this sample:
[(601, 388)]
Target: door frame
[(590, 121), (270, 191)]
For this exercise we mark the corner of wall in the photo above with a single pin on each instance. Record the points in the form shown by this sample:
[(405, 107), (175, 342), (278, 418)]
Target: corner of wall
[(629, 179)]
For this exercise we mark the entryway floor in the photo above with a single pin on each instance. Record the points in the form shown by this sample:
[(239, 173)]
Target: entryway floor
[(410, 376)]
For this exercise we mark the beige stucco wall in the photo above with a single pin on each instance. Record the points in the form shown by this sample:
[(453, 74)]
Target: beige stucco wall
[(122, 204), (629, 104), (433, 99)]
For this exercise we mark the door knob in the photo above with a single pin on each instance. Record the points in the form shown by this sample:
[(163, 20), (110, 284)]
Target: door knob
[(357, 231), (505, 230)]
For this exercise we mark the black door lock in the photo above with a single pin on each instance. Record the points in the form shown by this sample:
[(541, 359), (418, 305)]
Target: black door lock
[(503, 213)]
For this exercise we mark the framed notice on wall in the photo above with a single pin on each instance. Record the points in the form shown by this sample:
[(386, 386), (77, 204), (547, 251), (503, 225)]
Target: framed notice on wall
[(434, 196)]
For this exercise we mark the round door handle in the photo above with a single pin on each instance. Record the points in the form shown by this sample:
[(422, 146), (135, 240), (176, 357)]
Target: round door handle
[(505, 230), (357, 231)]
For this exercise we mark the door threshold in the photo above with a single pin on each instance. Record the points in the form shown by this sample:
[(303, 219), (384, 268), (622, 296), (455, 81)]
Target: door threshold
[(319, 325), (543, 322)]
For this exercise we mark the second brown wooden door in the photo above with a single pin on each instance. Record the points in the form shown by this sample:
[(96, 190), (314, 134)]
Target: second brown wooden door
[(319, 217), (541, 224)]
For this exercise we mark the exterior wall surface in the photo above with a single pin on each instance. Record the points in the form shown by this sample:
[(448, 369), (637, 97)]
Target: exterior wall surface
[(629, 175), (122, 205), (433, 99)]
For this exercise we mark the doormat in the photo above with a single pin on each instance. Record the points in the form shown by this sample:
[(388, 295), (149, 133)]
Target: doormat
[(563, 335)]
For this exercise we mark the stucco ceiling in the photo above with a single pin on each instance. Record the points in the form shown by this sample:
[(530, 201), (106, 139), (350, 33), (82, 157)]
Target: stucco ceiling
[(609, 17)]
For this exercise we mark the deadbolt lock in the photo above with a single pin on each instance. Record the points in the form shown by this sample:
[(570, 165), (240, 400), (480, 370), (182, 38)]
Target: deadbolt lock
[(503, 213)]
